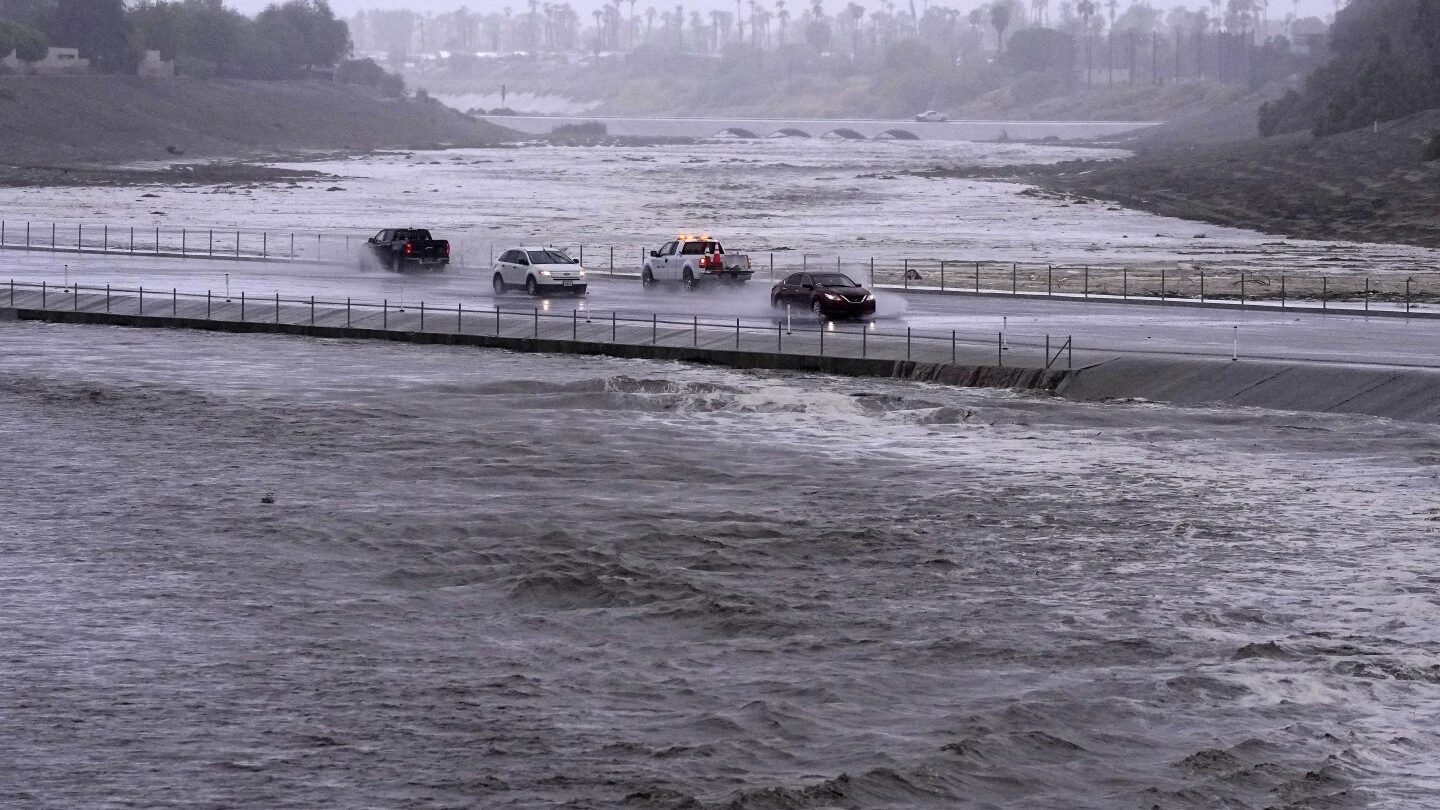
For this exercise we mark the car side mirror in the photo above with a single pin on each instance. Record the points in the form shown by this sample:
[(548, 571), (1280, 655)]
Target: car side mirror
[(574, 261), (371, 240), (654, 254)]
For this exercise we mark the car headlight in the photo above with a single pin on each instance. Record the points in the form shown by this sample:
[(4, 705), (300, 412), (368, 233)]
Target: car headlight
[(544, 272), (833, 297), (582, 273), (868, 297)]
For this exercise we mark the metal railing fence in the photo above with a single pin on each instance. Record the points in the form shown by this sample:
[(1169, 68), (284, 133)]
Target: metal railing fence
[(1405, 289), (801, 336)]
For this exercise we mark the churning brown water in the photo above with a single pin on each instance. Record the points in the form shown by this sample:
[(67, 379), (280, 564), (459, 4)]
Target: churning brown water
[(496, 580)]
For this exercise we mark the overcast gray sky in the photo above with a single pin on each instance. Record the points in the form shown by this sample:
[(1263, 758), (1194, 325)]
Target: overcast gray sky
[(1278, 8)]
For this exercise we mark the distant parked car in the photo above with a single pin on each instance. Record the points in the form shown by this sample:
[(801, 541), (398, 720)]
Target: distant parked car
[(932, 116), (538, 270), (828, 295)]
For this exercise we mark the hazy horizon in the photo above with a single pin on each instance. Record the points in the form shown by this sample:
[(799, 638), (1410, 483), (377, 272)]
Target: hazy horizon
[(347, 8)]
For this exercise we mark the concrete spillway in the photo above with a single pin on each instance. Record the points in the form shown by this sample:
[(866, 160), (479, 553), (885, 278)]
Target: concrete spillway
[(1411, 394)]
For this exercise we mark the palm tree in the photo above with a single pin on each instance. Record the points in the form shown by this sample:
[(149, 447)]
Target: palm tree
[(784, 17), (1000, 19), (1086, 8), (649, 21), (1041, 7)]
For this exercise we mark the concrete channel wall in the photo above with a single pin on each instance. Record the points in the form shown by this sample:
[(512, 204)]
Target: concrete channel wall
[(1409, 394)]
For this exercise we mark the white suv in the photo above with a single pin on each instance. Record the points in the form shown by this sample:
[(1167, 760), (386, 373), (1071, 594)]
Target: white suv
[(537, 271), (933, 116)]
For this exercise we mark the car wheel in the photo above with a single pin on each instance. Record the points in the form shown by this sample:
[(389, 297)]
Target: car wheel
[(774, 302), (818, 308), (690, 285), (647, 279), (531, 287), (499, 284)]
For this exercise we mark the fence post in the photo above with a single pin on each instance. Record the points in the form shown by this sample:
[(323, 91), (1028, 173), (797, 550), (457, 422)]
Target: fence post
[(907, 274), (174, 302), (907, 343), (1087, 281), (822, 337), (575, 324), (1367, 295), (737, 334), (1047, 350), (292, 246), (977, 278), (1324, 293), (237, 244), (612, 260), (207, 305), (497, 320), (157, 241), (1049, 281), (1000, 349), (1282, 292), (864, 338), (132, 239), (537, 323), (1202, 286), (277, 306), (942, 275), (1069, 352), (1014, 278), (264, 244), (385, 314), (312, 310), (104, 243), (211, 247), (1124, 283), (1407, 296), (319, 254), (242, 306), (952, 347), (1162, 285), (695, 340), (613, 338), (779, 336), (183, 239), (75, 301), (459, 318), (107, 296), (141, 309), (872, 269), (347, 312), (1242, 289), (422, 316), (653, 328)]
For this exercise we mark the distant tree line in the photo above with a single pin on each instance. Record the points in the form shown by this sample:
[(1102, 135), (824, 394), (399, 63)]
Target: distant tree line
[(287, 40), (1386, 65)]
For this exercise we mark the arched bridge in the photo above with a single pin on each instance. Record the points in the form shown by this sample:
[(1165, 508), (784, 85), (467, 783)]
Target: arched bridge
[(756, 128)]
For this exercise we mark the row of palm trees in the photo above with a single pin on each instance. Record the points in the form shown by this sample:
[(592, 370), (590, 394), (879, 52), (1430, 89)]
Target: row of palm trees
[(619, 25)]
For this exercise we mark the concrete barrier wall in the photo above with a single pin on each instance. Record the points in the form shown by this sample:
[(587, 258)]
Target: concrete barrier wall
[(1410, 394)]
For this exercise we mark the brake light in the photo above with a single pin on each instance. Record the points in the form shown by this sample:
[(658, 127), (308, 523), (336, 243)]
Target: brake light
[(408, 246), (447, 248)]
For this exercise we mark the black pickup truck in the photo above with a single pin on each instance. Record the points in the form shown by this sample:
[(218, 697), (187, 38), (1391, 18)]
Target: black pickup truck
[(396, 248)]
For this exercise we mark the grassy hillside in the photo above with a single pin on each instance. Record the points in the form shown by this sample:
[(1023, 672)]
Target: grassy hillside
[(109, 119)]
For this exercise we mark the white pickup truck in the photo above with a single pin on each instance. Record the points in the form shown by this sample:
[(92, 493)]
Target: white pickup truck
[(693, 261)]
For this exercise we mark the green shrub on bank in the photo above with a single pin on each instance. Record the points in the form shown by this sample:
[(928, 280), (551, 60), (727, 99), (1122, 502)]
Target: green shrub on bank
[(1432, 149)]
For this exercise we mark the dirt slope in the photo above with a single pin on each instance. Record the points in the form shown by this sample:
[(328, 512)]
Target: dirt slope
[(107, 119)]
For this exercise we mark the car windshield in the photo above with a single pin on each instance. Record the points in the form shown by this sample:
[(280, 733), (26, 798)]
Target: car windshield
[(415, 235), (834, 280), (549, 257)]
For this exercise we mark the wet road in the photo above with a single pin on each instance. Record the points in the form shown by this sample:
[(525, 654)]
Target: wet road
[(1097, 326)]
